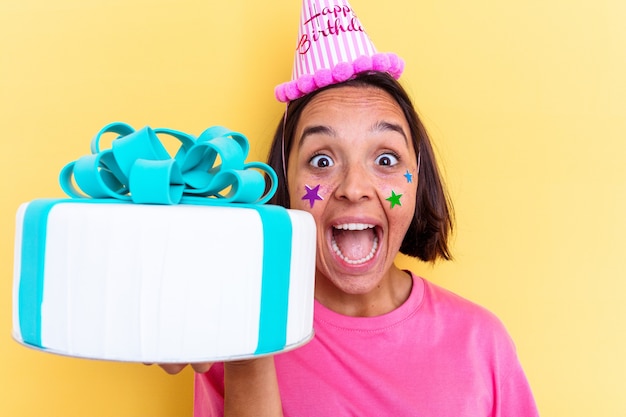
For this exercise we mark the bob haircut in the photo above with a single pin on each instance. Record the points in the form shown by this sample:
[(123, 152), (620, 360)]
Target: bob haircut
[(432, 223)]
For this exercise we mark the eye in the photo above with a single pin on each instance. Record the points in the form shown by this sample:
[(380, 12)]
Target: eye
[(387, 159), (321, 161)]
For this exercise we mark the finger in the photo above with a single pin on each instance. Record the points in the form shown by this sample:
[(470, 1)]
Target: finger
[(172, 368), (201, 367)]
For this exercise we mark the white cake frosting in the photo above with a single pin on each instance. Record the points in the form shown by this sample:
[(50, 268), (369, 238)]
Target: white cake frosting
[(154, 283)]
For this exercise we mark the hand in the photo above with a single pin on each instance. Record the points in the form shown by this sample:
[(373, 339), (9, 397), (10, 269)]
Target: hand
[(251, 388), (174, 368)]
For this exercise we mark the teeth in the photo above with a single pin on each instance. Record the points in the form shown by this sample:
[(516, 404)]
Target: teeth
[(355, 261), (354, 226)]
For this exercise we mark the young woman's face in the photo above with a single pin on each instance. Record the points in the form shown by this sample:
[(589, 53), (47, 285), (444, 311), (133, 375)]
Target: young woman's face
[(353, 167)]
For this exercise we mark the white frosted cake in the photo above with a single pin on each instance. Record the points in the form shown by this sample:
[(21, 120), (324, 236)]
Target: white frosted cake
[(162, 283), (115, 280)]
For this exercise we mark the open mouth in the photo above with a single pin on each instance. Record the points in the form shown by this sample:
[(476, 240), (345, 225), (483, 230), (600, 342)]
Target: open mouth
[(354, 243)]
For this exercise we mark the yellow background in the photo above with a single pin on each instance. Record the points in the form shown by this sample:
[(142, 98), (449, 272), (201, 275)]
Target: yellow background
[(526, 101)]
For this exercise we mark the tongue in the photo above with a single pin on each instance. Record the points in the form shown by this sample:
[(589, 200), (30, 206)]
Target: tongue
[(355, 244)]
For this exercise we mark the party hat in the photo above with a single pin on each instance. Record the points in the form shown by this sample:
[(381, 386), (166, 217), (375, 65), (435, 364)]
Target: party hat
[(332, 47)]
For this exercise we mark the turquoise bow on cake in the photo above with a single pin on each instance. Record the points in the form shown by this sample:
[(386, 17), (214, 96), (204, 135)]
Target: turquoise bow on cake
[(138, 168)]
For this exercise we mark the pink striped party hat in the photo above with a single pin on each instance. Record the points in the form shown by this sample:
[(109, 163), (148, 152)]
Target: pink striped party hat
[(332, 47)]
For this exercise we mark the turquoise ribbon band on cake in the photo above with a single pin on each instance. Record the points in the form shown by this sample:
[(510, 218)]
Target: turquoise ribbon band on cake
[(274, 289), (138, 169), (30, 293)]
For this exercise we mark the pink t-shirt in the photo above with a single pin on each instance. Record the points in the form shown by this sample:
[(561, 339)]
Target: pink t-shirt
[(437, 355)]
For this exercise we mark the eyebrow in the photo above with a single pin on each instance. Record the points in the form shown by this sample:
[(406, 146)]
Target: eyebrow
[(315, 130), (383, 126)]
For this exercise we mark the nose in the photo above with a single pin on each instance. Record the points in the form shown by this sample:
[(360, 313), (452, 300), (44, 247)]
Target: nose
[(356, 184)]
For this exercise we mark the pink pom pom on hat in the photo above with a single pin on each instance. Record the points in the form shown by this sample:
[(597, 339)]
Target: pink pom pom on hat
[(332, 47)]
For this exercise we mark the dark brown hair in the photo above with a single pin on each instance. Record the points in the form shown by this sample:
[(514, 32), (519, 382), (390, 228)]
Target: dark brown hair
[(432, 224)]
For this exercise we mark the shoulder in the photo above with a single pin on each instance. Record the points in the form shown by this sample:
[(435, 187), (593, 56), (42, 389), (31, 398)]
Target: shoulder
[(466, 317), (448, 302)]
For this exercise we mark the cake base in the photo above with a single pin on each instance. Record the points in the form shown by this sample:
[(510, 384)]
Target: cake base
[(227, 358)]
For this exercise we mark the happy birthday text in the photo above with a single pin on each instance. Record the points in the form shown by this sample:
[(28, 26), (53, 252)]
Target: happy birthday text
[(330, 21)]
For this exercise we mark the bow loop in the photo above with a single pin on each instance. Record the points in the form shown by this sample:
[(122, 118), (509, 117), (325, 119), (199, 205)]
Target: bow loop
[(205, 170), (122, 129)]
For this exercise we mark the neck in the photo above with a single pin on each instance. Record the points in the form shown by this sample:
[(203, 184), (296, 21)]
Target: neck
[(390, 293)]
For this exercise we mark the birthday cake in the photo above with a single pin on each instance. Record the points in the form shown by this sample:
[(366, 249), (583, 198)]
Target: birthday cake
[(160, 259)]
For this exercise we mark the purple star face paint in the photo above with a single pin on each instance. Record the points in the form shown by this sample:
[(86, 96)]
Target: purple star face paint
[(312, 194)]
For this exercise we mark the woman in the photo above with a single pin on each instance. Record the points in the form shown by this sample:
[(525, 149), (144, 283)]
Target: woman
[(387, 342)]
